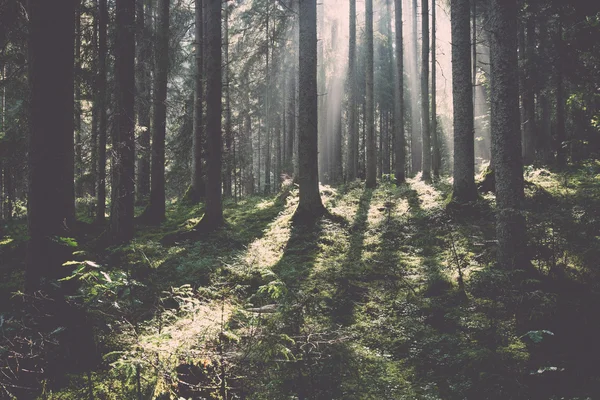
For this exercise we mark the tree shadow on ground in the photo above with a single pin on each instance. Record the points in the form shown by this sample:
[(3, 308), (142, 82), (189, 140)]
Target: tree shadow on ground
[(347, 286)]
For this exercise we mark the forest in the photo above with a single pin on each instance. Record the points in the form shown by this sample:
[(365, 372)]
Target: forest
[(299, 199)]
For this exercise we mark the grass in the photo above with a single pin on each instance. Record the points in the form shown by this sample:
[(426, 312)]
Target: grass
[(392, 297)]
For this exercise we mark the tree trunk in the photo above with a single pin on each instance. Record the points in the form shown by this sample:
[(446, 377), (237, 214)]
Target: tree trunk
[(144, 97), (123, 190), (155, 212), (291, 121), (399, 97), (529, 91), (198, 189), (310, 205), (415, 143), (102, 118), (371, 166), (506, 143), (352, 164), (561, 136), (436, 156), (51, 173), (426, 176), (228, 132), (78, 140), (213, 216), (267, 188), (464, 189), (95, 109), (545, 129)]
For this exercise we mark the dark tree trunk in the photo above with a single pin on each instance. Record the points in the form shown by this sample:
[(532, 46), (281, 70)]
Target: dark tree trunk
[(291, 121), (248, 177), (399, 97), (267, 188), (123, 190), (416, 148), (198, 189), (506, 143), (95, 109), (102, 119), (155, 212), (371, 166), (426, 166), (51, 199), (310, 205), (529, 92), (544, 133), (561, 136), (78, 139), (144, 97), (228, 132), (352, 164), (213, 217), (464, 189), (435, 137)]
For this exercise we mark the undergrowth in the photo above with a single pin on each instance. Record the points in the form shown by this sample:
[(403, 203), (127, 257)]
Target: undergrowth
[(391, 296)]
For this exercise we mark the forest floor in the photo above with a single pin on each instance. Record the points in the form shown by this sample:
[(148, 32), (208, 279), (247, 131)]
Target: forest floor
[(394, 296)]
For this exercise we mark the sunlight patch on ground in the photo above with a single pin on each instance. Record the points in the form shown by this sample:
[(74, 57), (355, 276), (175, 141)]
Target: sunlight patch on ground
[(267, 250), (6, 241), (429, 196), (401, 207)]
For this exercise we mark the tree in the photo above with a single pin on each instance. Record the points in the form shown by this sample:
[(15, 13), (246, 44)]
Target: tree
[(415, 137), (155, 212), (371, 181), (123, 190), (352, 164), (51, 206), (213, 216), (228, 131), (435, 146), (78, 109), (464, 189), (399, 96), (101, 104), (528, 89), (561, 135), (426, 166), (310, 206), (197, 189), (506, 135), (144, 96)]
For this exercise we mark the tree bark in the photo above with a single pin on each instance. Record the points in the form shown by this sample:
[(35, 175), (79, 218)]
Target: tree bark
[(78, 139), (352, 164), (95, 110), (123, 190), (426, 166), (506, 137), (155, 212), (436, 156), (416, 148), (198, 189), (102, 118), (228, 132), (371, 166), (144, 97), (51, 197), (464, 189), (561, 135), (213, 217), (310, 206), (545, 129), (529, 91), (399, 95)]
